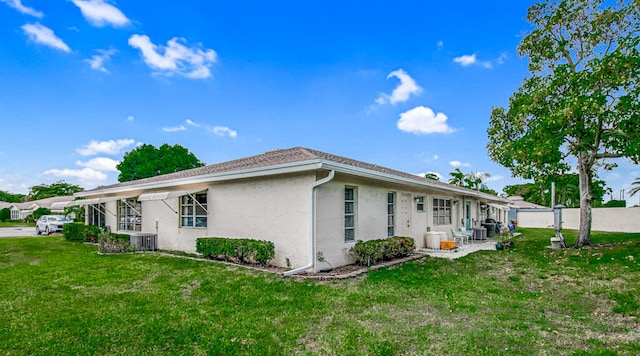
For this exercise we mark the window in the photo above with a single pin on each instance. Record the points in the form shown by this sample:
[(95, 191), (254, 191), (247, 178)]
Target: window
[(349, 214), (420, 204), (15, 214), (96, 214), (441, 211), (129, 215), (391, 213), (193, 210)]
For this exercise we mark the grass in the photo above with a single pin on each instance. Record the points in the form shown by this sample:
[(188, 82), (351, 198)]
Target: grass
[(15, 224), (58, 297)]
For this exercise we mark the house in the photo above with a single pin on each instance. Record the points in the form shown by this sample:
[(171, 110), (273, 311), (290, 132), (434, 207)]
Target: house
[(20, 211), (312, 205)]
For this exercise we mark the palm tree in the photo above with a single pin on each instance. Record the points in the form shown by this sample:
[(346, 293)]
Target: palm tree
[(474, 180), (635, 189), (457, 177)]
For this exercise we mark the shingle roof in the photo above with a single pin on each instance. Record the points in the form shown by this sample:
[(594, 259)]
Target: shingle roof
[(281, 157)]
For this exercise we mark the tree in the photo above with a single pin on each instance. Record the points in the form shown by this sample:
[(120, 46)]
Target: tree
[(457, 177), (57, 189), (432, 176), (11, 198), (580, 106), (636, 188), (567, 192), (148, 161)]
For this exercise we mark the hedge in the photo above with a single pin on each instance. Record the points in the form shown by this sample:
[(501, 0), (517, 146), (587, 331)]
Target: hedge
[(241, 250), (373, 251), (88, 233)]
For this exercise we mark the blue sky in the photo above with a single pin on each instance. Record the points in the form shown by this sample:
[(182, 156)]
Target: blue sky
[(405, 85)]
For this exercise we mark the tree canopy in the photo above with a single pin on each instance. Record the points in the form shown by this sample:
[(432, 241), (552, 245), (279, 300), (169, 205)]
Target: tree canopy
[(148, 161), (580, 107), (57, 189), (11, 198)]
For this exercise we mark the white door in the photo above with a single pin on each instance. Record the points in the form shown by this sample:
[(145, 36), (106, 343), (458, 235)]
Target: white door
[(404, 215)]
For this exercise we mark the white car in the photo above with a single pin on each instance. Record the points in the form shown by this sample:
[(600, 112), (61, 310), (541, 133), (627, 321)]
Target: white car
[(51, 223)]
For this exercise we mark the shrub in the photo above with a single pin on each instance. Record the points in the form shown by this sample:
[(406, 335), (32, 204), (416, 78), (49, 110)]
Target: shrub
[(5, 214), (114, 243), (616, 204), (240, 250), (374, 251), (39, 212), (74, 232)]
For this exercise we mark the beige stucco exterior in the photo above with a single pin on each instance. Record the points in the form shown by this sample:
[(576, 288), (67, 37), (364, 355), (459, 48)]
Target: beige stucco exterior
[(292, 205)]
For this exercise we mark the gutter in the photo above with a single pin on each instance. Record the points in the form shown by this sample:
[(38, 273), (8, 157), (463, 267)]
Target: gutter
[(312, 237)]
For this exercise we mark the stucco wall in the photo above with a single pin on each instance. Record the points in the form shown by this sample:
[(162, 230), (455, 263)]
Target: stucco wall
[(603, 219)]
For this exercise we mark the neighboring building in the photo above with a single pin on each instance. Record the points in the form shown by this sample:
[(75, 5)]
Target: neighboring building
[(517, 203), (20, 211), (312, 205)]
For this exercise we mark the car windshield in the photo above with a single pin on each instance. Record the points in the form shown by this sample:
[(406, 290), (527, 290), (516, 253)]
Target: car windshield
[(57, 218)]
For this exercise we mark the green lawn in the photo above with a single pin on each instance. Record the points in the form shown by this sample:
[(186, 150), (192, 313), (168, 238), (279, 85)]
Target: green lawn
[(58, 297), (15, 224)]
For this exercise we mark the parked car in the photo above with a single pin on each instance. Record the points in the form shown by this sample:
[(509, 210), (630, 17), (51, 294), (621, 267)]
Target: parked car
[(51, 223)]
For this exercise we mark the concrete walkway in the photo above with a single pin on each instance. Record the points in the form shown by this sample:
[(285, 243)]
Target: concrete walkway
[(471, 247)]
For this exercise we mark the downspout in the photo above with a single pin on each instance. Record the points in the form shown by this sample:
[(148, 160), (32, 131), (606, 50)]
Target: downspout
[(312, 242)]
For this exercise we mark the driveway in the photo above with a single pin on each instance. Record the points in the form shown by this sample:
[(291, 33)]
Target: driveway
[(21, 231)]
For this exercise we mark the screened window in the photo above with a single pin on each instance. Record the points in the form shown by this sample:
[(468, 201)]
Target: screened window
[(391, 213), (420, 204), (441, 211), (349, 214), (193, 210), (96, 214), (129, 215)]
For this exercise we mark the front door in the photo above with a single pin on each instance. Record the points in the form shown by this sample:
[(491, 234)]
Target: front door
[(404, 215)]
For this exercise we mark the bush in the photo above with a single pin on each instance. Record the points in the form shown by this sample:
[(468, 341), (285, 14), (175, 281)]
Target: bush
[(114, 243), (374, 251), (39, 212), (5, 214), (74, 232), (240, 250), (616, 204)]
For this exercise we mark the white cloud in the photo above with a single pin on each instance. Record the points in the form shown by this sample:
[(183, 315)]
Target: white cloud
[(466, 60), (17, 4), (459, 164), (494, 178), (87, 176), (44, 35), (100, 164), (174, 129), (100, 13), (175, 58), (440, 45), (189, 122), (422, 120), (471, 59), (130, 118), (402, 92), (109, 147), (223, 130), (97, 60)]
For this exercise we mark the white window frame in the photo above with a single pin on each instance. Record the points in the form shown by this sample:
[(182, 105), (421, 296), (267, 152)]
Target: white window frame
[(15, 214), (350, 209), (193, 212), (391, 213), (442, 211), (129, 215), (420, 204)]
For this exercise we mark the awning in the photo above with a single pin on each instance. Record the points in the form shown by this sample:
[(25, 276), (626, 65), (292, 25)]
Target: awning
[(61, 204), (99, 200), (167, 195), (500, 207)]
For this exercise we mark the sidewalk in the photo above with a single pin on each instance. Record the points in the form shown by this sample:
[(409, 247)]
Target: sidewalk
[(473, 246)]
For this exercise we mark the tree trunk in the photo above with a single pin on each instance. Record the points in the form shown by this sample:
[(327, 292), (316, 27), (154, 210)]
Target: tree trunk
[(586, 196)]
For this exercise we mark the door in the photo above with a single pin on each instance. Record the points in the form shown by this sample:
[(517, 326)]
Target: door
[(404, 215), (467, 215)]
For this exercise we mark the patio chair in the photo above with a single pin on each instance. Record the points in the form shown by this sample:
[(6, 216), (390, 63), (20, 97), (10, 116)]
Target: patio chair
[(467, 233), (457, 236)]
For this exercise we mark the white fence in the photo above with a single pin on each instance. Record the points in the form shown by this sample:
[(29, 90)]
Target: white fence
[(603, 219)]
